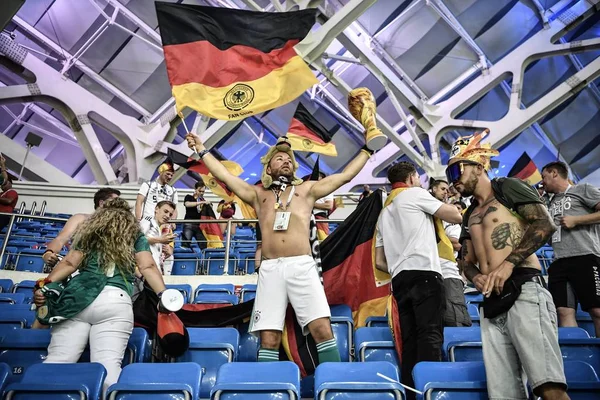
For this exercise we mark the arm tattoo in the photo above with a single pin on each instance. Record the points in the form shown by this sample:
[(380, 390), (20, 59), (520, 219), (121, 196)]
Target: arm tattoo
[(541, 227)]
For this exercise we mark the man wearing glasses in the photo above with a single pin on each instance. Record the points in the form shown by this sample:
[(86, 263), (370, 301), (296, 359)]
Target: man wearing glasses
[(504, 226)]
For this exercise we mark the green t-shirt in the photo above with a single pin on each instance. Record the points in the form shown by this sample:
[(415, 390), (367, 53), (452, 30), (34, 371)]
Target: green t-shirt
[(115, 277)]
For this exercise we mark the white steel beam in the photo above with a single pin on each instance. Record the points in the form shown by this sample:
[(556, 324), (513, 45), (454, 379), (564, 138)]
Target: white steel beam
[(84, 68), (35, 164), (538, 46)]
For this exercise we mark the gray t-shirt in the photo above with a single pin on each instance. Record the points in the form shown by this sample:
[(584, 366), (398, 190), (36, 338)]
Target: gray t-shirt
[(583, 239)]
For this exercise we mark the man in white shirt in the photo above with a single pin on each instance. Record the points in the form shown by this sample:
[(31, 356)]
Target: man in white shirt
[(406, 246), (456, 309), (151, 193), (160, 244)]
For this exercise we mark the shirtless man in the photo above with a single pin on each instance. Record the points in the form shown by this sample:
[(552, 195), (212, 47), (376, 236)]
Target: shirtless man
[(288, 272), (502, 229), (50, 256)]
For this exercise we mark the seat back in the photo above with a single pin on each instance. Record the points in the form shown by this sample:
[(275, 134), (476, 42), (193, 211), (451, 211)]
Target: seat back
[(12, 298), (342, 324), (211, 348), (216, 298), (185, 266), (473, 298), (22, 350), (248, 349), (572, 333), (587, 350), (377, 321), (454, 381), (17, 315), (184, 288), (248, 292), (257, 381), (68, 381), (373, 380), (375, 344), (453, 336), (215, 288), (579, 371), (30, 260), (156, 381), (6, 284)]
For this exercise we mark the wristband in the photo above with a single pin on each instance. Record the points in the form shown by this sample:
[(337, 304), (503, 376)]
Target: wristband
[(40, 283), (368, 151), (202, 153)]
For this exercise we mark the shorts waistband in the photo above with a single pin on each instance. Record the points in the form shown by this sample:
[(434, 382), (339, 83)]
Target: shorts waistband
[(290, 258)]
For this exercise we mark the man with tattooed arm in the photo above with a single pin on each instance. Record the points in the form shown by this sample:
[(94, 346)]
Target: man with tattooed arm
[(504, 226)]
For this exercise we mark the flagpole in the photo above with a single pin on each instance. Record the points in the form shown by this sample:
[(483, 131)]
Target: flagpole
[(195, 154)]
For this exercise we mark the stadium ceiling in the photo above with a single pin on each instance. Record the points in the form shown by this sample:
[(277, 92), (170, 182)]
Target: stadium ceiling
[(89, 77)]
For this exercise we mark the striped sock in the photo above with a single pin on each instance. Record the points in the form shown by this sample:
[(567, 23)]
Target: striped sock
[(328, 351), (267, 355)]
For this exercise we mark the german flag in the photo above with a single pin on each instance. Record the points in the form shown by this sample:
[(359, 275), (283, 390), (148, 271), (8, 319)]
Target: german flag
[(211, 231), (307, 134), (526, 170), (350, 277), (230, 64), (215, 185)]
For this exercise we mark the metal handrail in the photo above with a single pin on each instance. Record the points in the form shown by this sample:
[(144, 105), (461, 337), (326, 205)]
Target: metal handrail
[(229, 222), (22, 208), (43, 209), (32, 210)]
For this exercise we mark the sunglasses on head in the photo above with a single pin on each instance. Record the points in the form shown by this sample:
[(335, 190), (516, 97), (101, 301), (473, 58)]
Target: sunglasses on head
[(455, 171)]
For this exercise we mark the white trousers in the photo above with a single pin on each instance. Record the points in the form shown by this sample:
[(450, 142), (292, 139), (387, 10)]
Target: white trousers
[(106, 324)]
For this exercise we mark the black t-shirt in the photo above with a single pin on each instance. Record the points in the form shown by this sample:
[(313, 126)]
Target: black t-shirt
[(510, 192), (191, 212)]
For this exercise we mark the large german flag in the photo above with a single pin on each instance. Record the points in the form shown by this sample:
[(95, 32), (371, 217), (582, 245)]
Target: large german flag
[(211, 231), (231, 64), (350, 277), (307, 134), (216, 186), (526, 170)]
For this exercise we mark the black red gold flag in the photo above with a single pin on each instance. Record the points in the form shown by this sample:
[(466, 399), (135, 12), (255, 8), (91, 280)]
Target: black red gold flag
[(307, 134), (350, 277), (230, 64), (526, 170), (215, 185)]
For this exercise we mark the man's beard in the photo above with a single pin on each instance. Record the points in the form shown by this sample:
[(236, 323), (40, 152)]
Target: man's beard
[(289, 176), (469, 186)]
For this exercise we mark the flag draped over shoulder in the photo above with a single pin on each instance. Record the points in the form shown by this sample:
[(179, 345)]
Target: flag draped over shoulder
[(215, 185), (307, 134), (350, 277), (230, 64), (526, 170)]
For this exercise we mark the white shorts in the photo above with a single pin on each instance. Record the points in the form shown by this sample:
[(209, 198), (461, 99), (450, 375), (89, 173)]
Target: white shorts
[(288, 278)]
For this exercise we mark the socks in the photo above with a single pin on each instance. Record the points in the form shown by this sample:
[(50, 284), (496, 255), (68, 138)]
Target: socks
[(267, 355), (328, 351)]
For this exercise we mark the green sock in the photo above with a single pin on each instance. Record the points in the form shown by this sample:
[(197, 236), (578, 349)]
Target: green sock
[(267, 355), (328, 351)]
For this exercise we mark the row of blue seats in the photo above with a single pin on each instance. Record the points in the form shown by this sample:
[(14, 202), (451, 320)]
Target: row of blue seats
[(253, 381), (273, 381), (204, 294)]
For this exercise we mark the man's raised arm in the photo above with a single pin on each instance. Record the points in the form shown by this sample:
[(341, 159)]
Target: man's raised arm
[(333, 182), (242, 189)]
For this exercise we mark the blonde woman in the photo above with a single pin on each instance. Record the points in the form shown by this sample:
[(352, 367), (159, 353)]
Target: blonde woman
[(95, 305)]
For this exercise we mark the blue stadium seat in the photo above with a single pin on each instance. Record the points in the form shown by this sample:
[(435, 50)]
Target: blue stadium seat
[(375, 344), (248, 349), (572, 333), (215, 287), (12, 298), (139, 347), (257, 381), (582, 380), (215, 261), (216, 298), (473, 310), (211, 348), (343, 329), (30, 260), (474, 297), (186, 266), (17, 315), (453, 337), (6, 285), (184, 288), (68, 381), (451, 381), (587, 350), (360, 381), (248, 292), (157, 382), (4, 374), (249, 263), (584, 321), (377, 321), (28, 347), (9, 259)]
